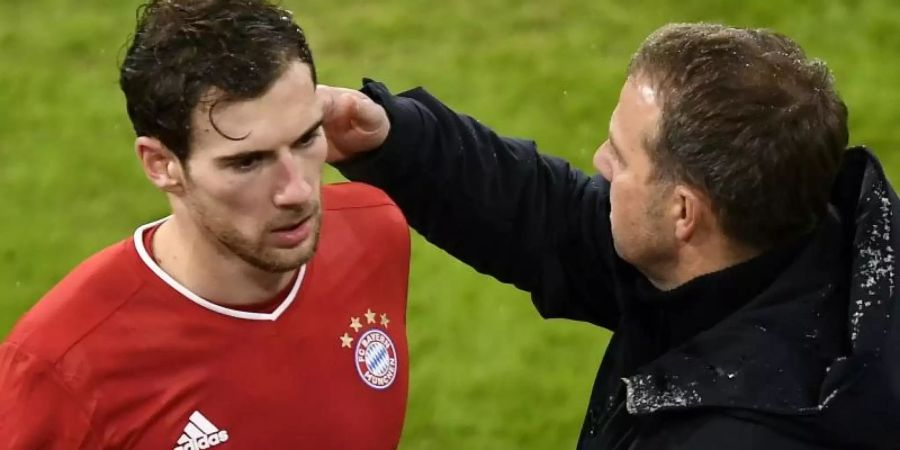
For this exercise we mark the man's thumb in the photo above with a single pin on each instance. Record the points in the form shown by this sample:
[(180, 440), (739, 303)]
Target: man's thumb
[(369, 117)]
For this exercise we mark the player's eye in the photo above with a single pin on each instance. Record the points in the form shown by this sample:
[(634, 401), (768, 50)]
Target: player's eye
[(246, 163), (308, 139)]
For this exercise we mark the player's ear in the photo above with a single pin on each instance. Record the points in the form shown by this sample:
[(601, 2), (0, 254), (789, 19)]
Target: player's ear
[(160, 164), (691, 211)]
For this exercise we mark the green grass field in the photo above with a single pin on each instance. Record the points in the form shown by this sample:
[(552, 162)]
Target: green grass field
[(487, 372)]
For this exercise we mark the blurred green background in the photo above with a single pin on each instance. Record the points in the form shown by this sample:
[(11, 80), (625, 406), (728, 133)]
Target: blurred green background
[(487, 372)]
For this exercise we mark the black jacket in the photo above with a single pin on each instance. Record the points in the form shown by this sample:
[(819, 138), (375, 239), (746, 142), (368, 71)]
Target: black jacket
[(796, 349)]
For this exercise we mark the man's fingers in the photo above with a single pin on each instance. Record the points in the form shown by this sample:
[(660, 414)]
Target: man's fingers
[(326, 96), (332, 108)]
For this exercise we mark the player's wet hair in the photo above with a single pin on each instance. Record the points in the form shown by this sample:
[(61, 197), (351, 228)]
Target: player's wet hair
[(748, 119), (186, 53)]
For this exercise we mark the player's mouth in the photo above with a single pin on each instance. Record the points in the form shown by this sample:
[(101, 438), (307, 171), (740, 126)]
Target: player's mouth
[(294, 234)]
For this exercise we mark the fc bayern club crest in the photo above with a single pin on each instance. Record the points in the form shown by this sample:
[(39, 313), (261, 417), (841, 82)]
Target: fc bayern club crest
[(374, 354), (376, 359)]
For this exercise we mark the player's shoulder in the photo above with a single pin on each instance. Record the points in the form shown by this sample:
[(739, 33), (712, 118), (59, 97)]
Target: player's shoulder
[(361, 203), (79, 303), (366, 213), (352, 195)]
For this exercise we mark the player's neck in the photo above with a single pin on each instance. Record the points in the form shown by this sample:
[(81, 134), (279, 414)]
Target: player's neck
[(209, 270)]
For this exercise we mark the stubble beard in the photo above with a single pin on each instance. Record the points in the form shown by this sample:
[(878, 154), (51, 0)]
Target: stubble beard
[(255, 252), (271, 259), (644, 246)]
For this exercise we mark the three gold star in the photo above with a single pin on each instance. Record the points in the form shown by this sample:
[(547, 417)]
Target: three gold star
[(356, 325)]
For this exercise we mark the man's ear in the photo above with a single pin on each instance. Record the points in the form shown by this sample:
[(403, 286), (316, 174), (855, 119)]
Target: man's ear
[(692, 209), (161, 166)]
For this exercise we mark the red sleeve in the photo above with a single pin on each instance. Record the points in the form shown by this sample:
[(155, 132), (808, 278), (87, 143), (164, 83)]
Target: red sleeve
[(37, 410)]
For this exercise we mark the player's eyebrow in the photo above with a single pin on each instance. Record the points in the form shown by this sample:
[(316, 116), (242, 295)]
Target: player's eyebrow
[(227, 159)]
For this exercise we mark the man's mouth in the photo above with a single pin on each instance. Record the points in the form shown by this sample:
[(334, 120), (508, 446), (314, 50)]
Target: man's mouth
[(293, 234), (291, 226)]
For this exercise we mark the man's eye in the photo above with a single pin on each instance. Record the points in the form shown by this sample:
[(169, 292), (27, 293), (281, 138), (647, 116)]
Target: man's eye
[(309, 139), (246, 164)]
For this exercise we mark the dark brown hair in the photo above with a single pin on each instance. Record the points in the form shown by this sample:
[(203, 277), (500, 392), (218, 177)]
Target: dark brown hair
[(748, 119), (184, 50)]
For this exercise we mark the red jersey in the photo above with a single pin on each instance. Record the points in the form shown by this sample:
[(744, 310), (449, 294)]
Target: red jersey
[(120, 355)]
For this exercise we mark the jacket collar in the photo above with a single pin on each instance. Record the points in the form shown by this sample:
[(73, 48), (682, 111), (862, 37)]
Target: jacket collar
[(825, 326)]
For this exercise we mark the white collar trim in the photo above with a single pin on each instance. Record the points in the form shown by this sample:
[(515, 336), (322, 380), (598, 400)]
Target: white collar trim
[(154, 267)]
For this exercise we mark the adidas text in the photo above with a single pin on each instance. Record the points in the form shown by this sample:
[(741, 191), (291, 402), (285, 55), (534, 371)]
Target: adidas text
[(204, 442)]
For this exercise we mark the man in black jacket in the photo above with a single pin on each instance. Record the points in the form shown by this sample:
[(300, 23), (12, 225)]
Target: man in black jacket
[(743, 258)]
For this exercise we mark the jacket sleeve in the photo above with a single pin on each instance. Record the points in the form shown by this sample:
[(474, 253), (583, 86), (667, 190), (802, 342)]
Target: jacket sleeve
[(37, 411), (496, 204)]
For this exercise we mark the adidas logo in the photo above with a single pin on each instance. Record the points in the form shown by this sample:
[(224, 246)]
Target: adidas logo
[(200, 434)]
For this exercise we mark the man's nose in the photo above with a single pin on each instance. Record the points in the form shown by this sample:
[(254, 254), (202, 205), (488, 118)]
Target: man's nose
[(602, 162), (293, 188)]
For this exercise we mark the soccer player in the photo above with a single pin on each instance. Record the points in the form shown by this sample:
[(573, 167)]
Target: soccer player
[(267, 312), (743, 257)]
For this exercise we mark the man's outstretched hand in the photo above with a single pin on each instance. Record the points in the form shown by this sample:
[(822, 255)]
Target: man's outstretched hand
[(353, 123)]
